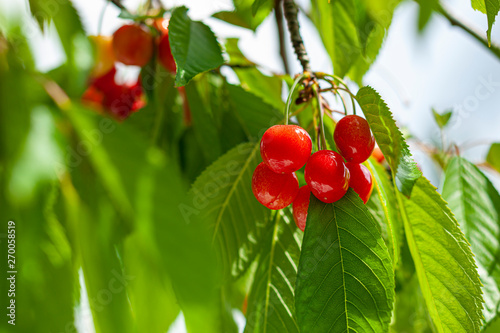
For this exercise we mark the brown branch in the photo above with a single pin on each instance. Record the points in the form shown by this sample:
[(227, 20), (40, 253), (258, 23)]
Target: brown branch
[(291, 11), (117, 3), (278, 14)]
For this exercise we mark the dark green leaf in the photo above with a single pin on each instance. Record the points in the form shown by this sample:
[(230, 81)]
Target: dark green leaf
[(389, 139), (255, 115), (222, 198), (345, 279), (244, 15), (443, 260), (491, 9), (271, 305), (476, 204), (425, 12), (493, 157), (194, 46), (442, 119)]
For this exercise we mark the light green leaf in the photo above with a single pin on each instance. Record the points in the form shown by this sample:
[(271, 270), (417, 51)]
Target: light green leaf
[(345, 280), (222, 198), (392, 228), (442, 119), (244, 15), (389, 139), (255, 115), (491, 9), (476, 204), (194, 46), (269, 88), (257, 4), (493, 157), (443, 260), (271, 305), (236, 57)]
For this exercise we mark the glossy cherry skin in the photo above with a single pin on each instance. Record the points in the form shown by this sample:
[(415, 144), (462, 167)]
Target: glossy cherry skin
[(378, 155), (300, 206), (354, 139), (132, 45), (165, 54), (285, 148), (361, 180), (327, 175), (274, 190)]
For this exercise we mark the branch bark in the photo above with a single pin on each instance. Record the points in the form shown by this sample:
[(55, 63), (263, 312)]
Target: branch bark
[(117, 3), (472, 32), (278, 14), (291, 12)]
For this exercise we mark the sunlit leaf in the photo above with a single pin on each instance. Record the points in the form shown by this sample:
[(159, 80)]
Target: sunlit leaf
[(493, 157)]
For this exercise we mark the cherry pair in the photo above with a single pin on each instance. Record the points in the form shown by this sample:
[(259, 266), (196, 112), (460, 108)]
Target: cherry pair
[(133, 45)]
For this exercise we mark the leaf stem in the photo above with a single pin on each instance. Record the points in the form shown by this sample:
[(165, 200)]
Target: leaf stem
[(291, 11), (278, 15), (471, 31)]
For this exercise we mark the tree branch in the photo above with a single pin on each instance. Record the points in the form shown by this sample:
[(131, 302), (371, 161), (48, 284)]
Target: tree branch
[(278, 14), (291, 11), (117, 3), (455, 22)]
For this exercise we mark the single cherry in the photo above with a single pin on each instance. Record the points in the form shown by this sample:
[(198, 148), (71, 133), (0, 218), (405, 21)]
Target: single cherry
[(354, 139), (165, 53), (300, 206), (274, 190), (361, 180), (285, 148), (327, 175), (378, 155), (132, 45)]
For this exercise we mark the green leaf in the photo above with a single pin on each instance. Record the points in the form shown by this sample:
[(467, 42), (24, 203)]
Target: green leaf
[(269, 88), (222, 198), (194, 46), (493, 157), (425, 12), (392, 228), (255, 115), (236, 57), (352, 32), (389, 139), (345, 279), (443, 261), (244, 15), (442, 119), (271, 305), (257, 4), (476, 204), (491, 9)]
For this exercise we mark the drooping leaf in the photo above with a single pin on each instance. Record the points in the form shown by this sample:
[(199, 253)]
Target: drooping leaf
[(255, 115), (443, 260), (244, 14), (385, 192), (389, 139), (194, 46), (476, 204), (269, 88), (425, 12), (345, 279), (442, 119), (493, 157), (491, 9), (222, 197), (236, 57), (271, 305), (257, 4)]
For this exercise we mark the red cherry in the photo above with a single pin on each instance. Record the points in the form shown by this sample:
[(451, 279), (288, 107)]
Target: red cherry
[(354, 139), (300, 206), (361, 180), (378, 155), (165, 54), (274, 190), (132, 45), (327, 175), (285, 148)]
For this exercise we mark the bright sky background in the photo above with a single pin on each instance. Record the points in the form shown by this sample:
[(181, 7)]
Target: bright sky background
[(442, 68)]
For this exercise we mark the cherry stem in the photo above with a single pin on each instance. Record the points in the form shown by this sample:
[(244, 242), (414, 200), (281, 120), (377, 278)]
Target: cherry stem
[(319, 102), (296, 83)]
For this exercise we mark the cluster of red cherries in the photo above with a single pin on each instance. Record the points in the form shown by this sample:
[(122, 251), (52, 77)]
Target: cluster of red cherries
[(287, 148), (133, 45)]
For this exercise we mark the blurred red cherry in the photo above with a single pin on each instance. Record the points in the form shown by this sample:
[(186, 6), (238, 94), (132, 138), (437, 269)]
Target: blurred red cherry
[(300, 207), (361, 180), (132, 45)]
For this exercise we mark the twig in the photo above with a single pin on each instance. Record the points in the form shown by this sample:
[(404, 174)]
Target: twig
[(278, 14), (117, 3), (455, 22), (291, 11)]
